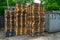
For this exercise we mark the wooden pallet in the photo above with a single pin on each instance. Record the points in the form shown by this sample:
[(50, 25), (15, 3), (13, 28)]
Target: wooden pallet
[(27, 20)]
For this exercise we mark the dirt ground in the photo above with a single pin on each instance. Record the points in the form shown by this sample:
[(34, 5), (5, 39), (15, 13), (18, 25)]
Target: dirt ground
[(53, 36)]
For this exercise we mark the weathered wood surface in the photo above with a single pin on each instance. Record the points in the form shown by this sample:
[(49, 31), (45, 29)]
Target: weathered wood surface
[(27, 19)]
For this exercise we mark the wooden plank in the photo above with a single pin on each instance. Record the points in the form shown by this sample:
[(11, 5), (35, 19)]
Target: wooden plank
[(5, 21)]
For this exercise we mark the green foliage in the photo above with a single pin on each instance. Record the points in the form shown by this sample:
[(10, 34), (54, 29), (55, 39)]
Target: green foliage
[(3, 4), (26, 1), (52, 5), (49, 4), (2, 8)]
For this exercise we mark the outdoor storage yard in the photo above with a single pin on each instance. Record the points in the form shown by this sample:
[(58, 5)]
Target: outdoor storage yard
[(30, 20), (52, 36)]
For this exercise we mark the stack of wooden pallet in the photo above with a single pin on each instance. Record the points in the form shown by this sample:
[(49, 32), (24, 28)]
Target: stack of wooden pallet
[(36, 19), (21, 14), (9, 22), (25, 19)]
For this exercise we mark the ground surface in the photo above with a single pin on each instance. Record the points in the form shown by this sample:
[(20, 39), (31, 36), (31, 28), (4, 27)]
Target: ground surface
[(53, 36)]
